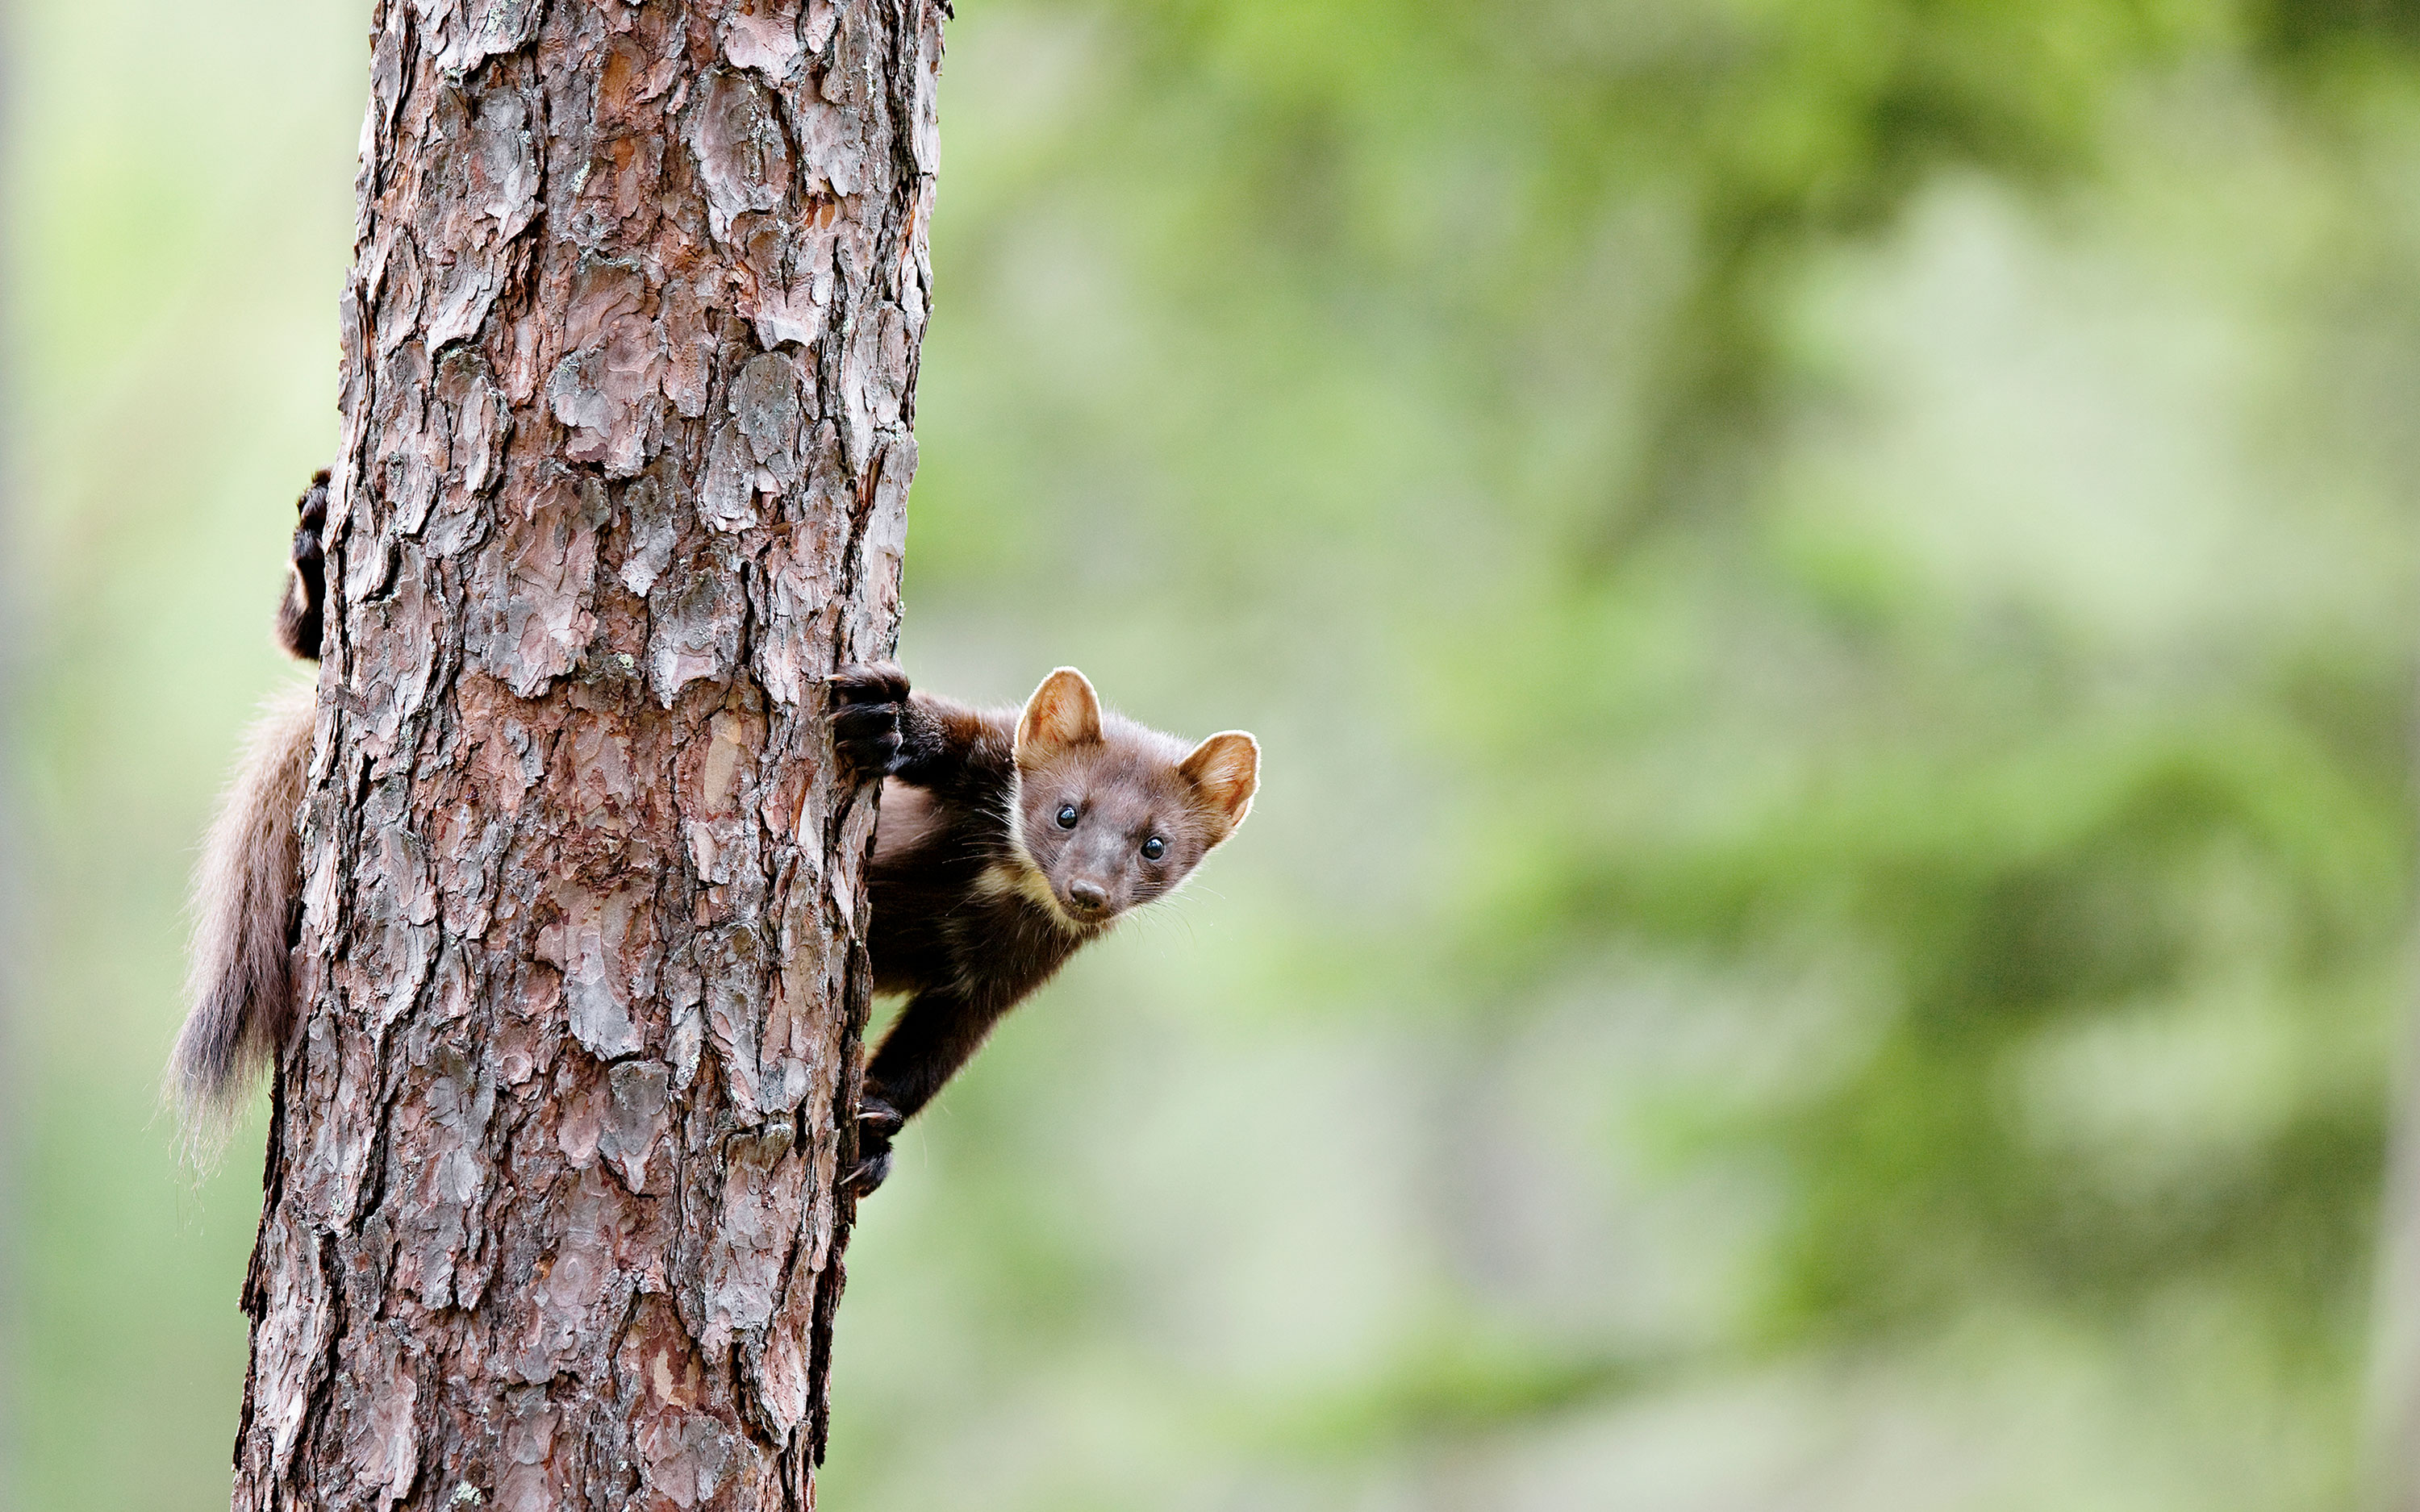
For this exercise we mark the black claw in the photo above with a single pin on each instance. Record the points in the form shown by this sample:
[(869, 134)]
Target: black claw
[(864, 721), (872, 759), (875, 1113), (876, 1122), (867, 1175), (865, 717), (874, 683)]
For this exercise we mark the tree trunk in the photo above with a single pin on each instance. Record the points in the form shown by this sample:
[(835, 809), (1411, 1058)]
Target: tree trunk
[(630, 353)]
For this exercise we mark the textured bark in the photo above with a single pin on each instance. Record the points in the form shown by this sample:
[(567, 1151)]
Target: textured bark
[(630, 351)]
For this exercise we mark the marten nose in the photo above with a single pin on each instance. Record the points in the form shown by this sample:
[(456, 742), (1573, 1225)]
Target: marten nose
[(1088, 896)]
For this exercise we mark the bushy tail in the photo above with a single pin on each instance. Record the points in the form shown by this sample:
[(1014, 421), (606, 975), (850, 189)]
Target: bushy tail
[(247, 892)]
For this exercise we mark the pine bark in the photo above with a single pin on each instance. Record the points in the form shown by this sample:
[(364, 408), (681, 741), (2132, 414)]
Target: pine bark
[(629, 364)]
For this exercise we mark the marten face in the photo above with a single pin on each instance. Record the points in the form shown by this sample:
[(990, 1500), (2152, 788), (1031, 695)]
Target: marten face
[(1110, 814)]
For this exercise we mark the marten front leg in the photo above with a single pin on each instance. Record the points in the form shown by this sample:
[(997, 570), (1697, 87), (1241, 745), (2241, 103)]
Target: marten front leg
[(882, 730), (299, 616), (937, 1033)]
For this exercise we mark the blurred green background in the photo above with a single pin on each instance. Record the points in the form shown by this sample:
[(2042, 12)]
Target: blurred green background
[(1829, 590)]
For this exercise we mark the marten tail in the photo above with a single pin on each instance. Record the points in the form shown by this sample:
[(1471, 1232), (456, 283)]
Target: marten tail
[(247, 894)]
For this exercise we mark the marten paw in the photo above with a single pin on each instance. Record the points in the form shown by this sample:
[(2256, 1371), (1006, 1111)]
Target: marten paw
[(865, 702), (299, 616), (867, 1174), (876, 1122), (312, 510)]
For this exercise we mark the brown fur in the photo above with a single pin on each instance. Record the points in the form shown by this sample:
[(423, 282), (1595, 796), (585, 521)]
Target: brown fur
[(245, 902), (247, 891), (979, 892)]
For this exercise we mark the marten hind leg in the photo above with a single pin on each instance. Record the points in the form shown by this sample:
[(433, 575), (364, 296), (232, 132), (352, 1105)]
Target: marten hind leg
[(299, 615)]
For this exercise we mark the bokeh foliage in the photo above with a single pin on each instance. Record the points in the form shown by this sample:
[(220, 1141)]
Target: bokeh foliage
[(1828, 591)]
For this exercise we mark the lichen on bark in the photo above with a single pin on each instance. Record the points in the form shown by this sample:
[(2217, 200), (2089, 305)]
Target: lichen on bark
[(629, 366)]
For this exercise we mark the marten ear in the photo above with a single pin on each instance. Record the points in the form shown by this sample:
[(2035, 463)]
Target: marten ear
[(1063, 712), (1225, 771)]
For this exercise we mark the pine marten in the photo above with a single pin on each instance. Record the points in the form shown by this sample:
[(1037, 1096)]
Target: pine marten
[(1007, 838)]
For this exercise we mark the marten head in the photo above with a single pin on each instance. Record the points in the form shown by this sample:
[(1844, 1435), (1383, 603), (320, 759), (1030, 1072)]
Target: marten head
[(1110, 814)]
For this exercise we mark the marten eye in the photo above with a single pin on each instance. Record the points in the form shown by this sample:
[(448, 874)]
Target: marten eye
[(1067, 816), (1153, 848)]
